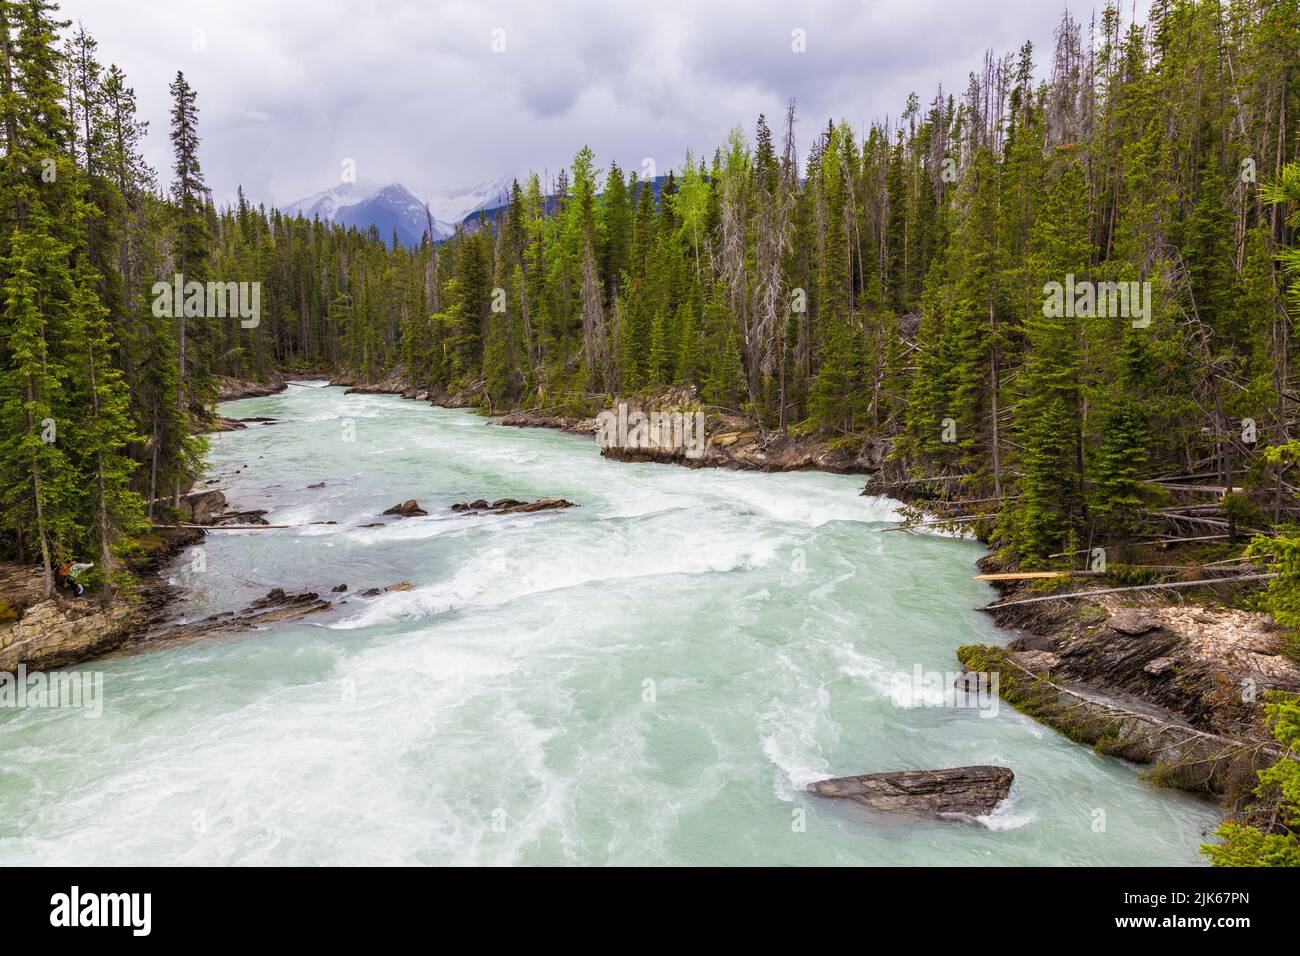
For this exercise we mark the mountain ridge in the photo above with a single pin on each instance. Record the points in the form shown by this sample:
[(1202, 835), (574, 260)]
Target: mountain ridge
[(395, 208)]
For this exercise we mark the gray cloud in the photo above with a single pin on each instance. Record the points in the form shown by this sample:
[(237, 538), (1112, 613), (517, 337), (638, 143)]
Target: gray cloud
[(414, 92)]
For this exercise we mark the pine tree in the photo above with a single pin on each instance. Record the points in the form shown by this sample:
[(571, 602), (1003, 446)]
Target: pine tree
[(103, 432), (189, 194), (37, 482), (1048, 515)]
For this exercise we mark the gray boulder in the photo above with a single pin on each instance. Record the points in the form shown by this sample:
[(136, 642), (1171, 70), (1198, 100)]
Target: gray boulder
[(971, 790)]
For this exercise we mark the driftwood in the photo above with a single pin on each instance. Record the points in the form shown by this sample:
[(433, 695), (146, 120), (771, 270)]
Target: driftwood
[(1237, 579), (956, 519), (1027, 575), (228, 527), (1207, 489)]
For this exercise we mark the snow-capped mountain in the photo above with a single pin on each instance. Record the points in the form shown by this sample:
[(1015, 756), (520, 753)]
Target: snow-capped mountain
[(395, 207), (451, 206), (392, 209), (327, 202)]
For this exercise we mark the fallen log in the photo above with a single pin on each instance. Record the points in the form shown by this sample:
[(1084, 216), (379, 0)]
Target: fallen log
[(228, 527), (1237, 579), (957, 519), (1029, 575), (1208, 489)]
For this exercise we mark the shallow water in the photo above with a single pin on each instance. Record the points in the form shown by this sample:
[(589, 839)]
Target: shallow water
[(649, 678)]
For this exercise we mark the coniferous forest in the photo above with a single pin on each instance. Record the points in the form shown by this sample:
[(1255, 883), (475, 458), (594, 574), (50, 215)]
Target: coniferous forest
[(885, 283), (911, 286)]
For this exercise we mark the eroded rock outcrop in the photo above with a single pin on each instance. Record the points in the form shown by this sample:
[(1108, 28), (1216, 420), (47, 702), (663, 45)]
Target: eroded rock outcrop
[(202, 507), (276, 605), (229, 389), (53, 633), (975, 791), (511, 506), (388, 589), (1125, 726), (407, 509)]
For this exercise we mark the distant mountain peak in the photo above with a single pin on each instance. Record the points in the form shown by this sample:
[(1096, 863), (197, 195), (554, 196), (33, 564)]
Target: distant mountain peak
[(389, 208), (451, 206), (394, 206)]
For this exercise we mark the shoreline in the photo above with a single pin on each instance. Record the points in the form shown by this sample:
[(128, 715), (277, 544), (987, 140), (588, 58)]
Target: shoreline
[(1174, 685), (62, 631), (735, 442), (1155, 690), (1143, 682)]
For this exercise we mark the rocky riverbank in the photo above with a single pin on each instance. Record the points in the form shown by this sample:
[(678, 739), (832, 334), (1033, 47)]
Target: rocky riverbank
[(41, 633), (1178, 687), (732, 441), (230, 389)]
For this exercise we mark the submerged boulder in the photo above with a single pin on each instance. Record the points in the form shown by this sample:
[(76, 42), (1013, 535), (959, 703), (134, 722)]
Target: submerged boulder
[(971, 790), (399, 586)]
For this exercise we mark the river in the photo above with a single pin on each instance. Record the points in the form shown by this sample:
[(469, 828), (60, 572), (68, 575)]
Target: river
[(652, 677)]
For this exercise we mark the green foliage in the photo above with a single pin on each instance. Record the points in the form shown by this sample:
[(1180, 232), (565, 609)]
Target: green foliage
[(1243, 844), (886, 282), (1282, 552), (1282, 598)]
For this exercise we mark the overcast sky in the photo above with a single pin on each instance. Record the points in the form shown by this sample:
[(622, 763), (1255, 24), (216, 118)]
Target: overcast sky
[(415, 92)]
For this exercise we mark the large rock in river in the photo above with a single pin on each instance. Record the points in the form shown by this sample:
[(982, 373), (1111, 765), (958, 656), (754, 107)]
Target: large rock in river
[(971, 790), (407, 509)]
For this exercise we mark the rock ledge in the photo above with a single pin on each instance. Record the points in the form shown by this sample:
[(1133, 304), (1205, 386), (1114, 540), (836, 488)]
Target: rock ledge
[(971, 790)]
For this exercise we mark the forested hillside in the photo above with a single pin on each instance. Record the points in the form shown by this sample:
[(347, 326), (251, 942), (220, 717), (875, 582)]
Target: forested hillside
[(887, 283)]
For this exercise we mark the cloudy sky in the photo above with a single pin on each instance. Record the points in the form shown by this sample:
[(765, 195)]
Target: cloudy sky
[(441, 94)]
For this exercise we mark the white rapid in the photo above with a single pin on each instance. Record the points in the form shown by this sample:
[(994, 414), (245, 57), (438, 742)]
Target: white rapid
[(652, 677)]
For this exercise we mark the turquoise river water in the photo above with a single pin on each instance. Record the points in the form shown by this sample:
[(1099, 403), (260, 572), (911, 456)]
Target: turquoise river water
[(652, 677)]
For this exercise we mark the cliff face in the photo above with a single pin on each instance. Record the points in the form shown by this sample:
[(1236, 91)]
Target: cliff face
[(54, 634), (749, 449)]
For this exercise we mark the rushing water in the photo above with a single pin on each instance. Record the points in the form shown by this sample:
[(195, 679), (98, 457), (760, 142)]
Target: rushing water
[(652, 677)]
